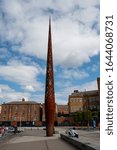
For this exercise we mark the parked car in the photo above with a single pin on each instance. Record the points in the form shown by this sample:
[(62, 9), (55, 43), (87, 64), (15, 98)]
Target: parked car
[(11, 130), (72, 132), (20, 129)]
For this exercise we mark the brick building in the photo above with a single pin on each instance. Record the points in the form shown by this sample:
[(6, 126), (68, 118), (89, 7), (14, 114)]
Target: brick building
[(65, 121), (91, 100), (21, 113), (62, 114), (62, 109), (75, 101), (88, 100), (0, 108)]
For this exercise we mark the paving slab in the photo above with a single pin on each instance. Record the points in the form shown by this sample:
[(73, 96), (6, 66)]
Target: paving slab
[(35, 140), (86, 138)]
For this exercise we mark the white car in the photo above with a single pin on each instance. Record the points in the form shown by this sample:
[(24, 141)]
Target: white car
[(20, 129), (11, 130)]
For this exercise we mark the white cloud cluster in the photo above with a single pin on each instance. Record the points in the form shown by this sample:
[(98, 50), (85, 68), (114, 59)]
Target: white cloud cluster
[(8, 94), (23, 75), (61, 96), (74, 27), (74, 74), (75, 38)]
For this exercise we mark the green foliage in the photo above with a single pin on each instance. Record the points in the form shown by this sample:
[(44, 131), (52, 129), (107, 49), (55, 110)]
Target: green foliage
[(85, 116)]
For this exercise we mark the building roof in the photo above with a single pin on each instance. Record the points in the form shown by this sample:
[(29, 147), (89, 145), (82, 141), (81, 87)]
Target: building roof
[(62, 106), (21, 102), (93, 92), (84, 93)]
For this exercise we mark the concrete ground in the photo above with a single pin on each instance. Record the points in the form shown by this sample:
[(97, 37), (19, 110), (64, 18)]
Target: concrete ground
[(35, 140), (91, 138), (55, 144)]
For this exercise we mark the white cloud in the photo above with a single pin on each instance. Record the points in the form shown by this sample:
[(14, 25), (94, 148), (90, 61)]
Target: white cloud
[(92, 85), (29, 88), (13, 96), (95, 67), (75, 39), (8, 94), (74, 74), (73, 45), (24, 75), (5, 88)]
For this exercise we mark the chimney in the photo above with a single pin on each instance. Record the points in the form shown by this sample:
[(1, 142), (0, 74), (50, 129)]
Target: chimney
[(23, 100)]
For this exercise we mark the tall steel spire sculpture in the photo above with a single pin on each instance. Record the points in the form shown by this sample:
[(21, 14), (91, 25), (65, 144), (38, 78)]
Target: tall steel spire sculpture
[(49, 90)]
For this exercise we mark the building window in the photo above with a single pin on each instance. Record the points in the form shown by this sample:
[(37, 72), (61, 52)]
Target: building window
[(35, 112), (16, 113), (5, 112), (80, 109), (80, 99)]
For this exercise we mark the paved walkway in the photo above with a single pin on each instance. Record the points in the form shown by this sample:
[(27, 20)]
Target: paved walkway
[(55, 144), (91, 138), (35, 140)]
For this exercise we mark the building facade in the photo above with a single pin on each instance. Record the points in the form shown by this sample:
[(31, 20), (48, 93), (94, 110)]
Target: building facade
[(87, 100), (21, 113), (91, 100), (75, 101), (62, 110)]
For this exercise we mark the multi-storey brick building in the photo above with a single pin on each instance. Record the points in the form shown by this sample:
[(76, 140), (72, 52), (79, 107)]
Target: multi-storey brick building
[(91, 100), (75, 101), (88, 100), (62, 109), (63, 115), (21, 113)]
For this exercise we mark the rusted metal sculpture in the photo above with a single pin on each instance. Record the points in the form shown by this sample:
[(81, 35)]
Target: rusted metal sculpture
[(49, 91)]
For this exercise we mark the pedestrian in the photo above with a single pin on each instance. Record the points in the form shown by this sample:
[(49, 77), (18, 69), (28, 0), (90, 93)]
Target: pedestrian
[(94, 124)]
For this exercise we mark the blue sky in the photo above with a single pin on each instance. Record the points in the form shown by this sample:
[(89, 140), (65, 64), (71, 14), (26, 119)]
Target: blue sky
[(23, 47)]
